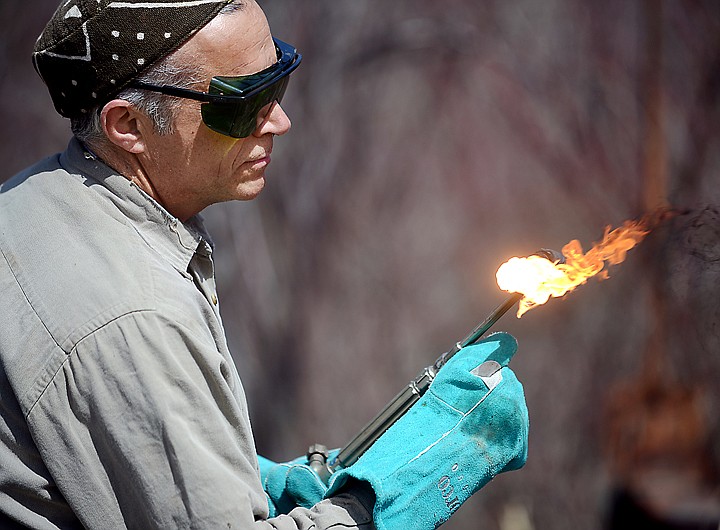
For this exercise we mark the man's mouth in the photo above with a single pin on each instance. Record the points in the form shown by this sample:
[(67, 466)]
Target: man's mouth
[(261, 162)]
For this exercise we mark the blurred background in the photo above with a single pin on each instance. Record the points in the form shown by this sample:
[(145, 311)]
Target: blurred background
[(432, 141)]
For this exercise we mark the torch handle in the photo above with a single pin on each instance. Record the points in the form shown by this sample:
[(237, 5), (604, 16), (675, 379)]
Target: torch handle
[(394, 410)]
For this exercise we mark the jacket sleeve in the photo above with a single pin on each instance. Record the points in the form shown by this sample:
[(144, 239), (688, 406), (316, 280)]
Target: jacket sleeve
[(145, 426)]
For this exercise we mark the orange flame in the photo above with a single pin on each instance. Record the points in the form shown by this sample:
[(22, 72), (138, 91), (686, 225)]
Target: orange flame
[(537, 278)]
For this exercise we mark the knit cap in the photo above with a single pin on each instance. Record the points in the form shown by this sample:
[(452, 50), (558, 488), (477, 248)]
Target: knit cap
[(91, 49)]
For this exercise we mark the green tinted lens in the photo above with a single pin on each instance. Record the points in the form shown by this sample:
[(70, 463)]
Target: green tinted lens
[(239, 119)]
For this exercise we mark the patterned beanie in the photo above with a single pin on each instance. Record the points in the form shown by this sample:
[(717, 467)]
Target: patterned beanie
[(91, 49)]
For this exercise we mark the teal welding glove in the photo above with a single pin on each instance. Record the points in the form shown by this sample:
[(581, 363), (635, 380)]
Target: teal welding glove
[(470, 425), (290, 484)]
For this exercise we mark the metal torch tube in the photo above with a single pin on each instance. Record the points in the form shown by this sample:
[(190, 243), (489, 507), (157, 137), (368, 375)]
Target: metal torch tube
[(410, 395), (349, 454)]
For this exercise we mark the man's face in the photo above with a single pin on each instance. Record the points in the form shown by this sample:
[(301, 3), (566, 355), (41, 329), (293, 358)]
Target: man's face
[(195, 166)]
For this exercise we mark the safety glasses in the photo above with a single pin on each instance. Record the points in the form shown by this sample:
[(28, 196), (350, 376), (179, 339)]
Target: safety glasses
[(231, 104)]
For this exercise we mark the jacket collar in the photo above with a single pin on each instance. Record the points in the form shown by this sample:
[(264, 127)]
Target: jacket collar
[(177, 241)]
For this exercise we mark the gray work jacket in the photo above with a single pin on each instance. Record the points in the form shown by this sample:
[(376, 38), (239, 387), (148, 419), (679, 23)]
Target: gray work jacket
[(120, 405)]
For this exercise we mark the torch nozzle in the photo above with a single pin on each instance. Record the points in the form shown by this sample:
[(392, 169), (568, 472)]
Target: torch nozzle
[(550, 255)]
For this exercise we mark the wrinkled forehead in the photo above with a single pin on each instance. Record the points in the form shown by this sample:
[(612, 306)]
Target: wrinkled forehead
[(233, 44)]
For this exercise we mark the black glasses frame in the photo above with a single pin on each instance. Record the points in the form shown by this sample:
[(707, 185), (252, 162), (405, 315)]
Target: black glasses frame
[(288, 60)]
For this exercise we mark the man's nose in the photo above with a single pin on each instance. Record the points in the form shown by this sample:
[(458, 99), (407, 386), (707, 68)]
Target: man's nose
[(272, 121)]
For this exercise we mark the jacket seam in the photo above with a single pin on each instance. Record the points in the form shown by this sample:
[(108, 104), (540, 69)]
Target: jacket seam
[(73, 350)]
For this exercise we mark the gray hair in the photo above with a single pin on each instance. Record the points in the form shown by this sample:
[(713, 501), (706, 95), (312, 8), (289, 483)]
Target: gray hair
[(160, 108), (235, 5)]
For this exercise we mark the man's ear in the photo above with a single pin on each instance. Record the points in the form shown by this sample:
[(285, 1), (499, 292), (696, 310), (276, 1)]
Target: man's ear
[(124, 126)]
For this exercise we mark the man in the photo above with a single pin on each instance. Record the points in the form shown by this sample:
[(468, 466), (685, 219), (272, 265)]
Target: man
[(120, 405)]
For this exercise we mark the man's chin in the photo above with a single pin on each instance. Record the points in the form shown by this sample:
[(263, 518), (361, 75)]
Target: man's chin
[(247, 191)]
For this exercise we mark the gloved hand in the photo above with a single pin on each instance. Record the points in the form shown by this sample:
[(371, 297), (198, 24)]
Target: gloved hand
[(470, 425), (291, 484)]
